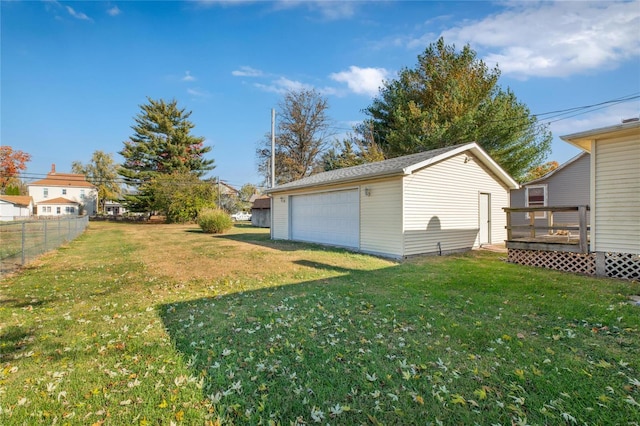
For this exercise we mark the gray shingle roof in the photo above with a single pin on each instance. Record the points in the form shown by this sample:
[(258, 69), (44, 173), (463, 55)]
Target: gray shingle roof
[(390, 167)]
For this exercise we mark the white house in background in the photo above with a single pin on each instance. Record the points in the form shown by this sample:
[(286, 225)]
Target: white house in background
[(64, 194), (14, 207), (567, 185), (439, 201), (615, 187)]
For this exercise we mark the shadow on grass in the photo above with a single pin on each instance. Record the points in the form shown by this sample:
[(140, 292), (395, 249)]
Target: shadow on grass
[(338, 340), (263, 239), (14, 340)]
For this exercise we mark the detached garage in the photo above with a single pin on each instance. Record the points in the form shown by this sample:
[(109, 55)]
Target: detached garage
[(439, 201)]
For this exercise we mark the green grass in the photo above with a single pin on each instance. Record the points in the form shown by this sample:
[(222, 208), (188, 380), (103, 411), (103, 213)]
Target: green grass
[(243, 330)]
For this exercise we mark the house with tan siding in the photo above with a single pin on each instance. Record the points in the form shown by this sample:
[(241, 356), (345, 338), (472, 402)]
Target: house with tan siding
[(615, 186), (433, 202)]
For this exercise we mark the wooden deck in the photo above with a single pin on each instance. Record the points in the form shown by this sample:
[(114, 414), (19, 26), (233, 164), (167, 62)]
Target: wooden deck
[(553, 236)]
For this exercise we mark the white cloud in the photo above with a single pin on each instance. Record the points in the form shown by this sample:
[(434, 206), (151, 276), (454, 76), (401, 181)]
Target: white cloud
[(246, 71), (363, 81), (78, 15), (334, 10), (114, 11), (188, 76), (283, 85), (554, 39), (328, 9), (198, 93)]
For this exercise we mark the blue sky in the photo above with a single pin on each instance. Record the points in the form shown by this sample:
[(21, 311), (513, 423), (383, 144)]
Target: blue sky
[(74, 74)]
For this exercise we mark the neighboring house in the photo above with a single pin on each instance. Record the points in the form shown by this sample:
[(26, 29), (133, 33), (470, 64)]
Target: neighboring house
[(226, 189), (14, 207), (615, 188), (69, 190), (439, 201), (114, 208), (261, 212), (58, 207), (568, 185)]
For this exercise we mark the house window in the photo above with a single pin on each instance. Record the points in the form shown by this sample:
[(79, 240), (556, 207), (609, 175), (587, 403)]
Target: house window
[(57, 210), (536, 196), (46, 193), (82, 194), (64, 191)]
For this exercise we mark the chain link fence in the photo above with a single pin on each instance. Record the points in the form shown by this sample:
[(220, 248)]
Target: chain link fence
[(23, 241)]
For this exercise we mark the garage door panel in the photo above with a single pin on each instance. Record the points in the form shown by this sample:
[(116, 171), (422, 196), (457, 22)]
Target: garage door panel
[(328, 218)]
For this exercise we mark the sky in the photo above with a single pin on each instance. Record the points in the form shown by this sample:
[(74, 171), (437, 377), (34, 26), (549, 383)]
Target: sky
[(74, 74)]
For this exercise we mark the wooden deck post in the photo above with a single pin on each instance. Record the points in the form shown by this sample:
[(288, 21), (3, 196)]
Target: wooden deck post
[(532, 224), (508, 225), (582, 224)]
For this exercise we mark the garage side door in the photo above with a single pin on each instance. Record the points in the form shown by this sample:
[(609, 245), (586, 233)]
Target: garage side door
[(327, 218)]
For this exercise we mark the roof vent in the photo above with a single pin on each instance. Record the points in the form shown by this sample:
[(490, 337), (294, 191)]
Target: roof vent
[(630, 120)]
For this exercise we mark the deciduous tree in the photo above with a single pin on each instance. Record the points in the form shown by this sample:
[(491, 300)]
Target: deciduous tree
[(539, 171), (12, 162), (180, 196), (452, 97), (101, 171), (304, 131)]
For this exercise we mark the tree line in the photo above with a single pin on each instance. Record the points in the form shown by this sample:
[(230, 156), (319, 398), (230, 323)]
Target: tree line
[(449, 97)]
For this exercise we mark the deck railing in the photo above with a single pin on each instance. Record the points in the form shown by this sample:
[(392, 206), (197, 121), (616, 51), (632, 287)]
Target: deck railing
[(537, 240)]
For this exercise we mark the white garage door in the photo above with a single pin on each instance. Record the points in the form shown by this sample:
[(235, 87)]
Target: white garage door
[(327, 217)]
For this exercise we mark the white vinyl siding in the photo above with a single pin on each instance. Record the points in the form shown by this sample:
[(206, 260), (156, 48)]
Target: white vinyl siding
[(280, 212), (9, 211), (87, 198), (617, 195), (381, 217), (441, 206)]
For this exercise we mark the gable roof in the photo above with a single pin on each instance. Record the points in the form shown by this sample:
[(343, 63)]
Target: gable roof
[(18, 200), (583, 140), (557, 169), (59, 200), (399, 166), (63, 179), (262, 203)]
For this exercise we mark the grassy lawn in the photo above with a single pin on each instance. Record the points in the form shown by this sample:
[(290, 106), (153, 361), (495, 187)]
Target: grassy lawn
[(161, 324)]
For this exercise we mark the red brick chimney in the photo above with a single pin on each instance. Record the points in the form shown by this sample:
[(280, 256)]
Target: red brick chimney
[(53, 169)]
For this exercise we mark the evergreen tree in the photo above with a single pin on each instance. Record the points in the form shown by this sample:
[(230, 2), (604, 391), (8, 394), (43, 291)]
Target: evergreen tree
[(450, 98), (162, 143)]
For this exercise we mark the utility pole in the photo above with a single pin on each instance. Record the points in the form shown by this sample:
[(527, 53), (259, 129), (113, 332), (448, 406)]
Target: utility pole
[(273, 147), (219, 205)]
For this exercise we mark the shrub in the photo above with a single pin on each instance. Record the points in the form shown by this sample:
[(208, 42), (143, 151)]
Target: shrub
[(214, 221)]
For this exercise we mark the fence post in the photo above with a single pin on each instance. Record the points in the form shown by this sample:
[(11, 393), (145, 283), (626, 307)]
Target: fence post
[(24, 236), (45, 236)]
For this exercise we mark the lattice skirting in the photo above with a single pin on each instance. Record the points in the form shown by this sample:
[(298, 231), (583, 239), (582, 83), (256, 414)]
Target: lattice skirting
[(558, 260), (614, 265), (622, 265)]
